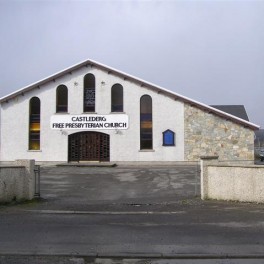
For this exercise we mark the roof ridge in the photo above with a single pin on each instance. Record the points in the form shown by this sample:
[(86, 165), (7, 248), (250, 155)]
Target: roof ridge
[(131, 77)]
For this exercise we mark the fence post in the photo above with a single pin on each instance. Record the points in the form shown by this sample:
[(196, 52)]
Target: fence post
[(197, 174), (37, 181), (204, 162), (29, 186)]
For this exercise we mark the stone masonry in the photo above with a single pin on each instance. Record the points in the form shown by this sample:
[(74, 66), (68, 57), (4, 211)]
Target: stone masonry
[(206, 134)]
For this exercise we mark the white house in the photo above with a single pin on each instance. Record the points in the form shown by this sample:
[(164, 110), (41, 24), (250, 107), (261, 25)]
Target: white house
[(92, 112)]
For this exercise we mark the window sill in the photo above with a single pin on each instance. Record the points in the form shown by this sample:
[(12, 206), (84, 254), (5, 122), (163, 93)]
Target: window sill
[(34, 150), (89, 113), (168, 145), (112, 113), (146, 150)]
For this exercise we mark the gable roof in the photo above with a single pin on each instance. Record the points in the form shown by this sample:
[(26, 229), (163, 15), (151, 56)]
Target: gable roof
[(236, 110), (141, 82)]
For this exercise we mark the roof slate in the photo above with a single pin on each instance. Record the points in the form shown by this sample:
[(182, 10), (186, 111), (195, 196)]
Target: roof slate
[(236, 110)]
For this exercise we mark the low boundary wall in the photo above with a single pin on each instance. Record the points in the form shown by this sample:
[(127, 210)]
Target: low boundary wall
[(17, 182), (236, 182)]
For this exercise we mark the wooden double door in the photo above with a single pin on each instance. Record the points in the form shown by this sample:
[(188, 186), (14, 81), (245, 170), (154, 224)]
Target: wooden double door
[(89, 146)]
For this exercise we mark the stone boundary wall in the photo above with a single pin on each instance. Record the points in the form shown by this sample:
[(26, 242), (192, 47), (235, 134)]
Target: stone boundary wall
[(17, 182), (237, 182), (206, 134)]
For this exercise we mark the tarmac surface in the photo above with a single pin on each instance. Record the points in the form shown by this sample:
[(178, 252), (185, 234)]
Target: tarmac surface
[(129, 215), (75, 188)]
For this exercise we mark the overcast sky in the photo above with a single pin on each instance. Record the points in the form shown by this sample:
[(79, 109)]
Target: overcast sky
[(210, 51)]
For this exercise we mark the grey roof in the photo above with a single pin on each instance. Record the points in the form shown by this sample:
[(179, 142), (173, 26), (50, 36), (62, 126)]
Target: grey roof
[(142, 83), (236, 110)]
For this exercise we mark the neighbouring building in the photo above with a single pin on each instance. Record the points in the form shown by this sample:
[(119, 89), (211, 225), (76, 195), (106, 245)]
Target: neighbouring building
[(92, 112), (236, 110), (259, 139)]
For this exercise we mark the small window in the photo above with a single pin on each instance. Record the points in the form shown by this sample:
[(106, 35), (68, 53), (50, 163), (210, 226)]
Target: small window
[(168, 138), (62, 99), (89, 93), (117, 98), (34, 124), (146, 122)]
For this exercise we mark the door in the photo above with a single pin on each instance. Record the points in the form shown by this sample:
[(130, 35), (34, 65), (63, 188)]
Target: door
[(89, 146)]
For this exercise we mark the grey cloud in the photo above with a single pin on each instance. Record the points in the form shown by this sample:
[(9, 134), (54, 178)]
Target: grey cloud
[(210, 51)]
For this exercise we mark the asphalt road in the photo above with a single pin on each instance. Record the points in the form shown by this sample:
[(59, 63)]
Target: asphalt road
[(193, 229), (119, 219)]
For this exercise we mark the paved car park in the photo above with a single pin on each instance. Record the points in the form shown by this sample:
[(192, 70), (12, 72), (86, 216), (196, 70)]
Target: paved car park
[(77, 188)]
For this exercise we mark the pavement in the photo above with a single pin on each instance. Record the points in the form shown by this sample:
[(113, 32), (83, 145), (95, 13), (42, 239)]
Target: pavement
[(129, 214)]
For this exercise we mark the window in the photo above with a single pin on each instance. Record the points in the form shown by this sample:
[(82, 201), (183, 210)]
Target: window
[(145, 122), (117, 98), (168, 138), (62, 99), (34, 123), (89, 93)]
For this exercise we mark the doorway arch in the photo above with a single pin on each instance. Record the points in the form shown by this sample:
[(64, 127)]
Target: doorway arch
[(89, 146)]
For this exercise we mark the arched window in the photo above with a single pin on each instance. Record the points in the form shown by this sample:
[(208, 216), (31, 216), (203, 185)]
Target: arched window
[(146, 122), (62, 99), (168, 138), (117, 98), (89, 93), (34, 124)]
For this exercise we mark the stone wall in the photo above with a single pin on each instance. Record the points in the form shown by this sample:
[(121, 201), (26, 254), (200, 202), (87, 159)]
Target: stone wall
[(207, 134)]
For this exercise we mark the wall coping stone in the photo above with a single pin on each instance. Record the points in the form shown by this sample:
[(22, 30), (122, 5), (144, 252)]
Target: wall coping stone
[(235, 165), (11, 166), (209, 157)]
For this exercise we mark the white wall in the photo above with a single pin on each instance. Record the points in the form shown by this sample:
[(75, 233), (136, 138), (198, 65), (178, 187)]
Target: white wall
[(238, 182), (17, 182), (167, 114)]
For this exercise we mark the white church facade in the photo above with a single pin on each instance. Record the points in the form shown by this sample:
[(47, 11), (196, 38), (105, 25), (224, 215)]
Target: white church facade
[(92, 112)]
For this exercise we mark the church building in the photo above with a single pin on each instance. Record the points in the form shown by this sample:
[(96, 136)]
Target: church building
[(92, 112)]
